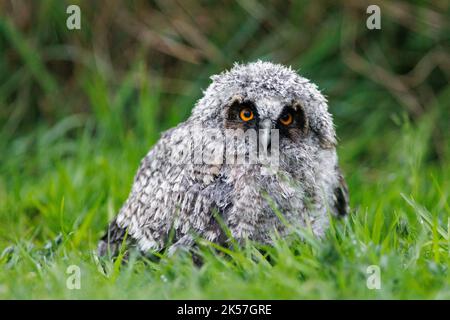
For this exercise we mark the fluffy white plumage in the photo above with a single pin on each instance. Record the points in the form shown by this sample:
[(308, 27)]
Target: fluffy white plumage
[(172, 191)]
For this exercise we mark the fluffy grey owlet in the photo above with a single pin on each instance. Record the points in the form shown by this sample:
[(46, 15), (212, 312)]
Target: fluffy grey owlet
[(192, 185)]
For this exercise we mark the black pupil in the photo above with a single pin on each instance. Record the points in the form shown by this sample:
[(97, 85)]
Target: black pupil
[(285, 117), (247, 113)]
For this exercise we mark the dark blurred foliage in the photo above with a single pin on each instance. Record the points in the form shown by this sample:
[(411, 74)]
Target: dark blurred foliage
[(370, 76)]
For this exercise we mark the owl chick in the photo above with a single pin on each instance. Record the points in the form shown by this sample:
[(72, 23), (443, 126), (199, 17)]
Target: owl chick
[(179, 194)]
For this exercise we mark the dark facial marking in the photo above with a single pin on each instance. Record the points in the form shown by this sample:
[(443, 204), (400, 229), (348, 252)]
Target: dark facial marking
[(292, 121), (238, 108)]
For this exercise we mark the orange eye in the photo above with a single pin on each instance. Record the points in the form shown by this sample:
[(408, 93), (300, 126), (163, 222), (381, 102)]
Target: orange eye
[(286, 119), (246, 114)]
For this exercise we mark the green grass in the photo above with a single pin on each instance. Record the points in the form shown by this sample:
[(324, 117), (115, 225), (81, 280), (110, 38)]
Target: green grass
[(72, 136), (61, 184)]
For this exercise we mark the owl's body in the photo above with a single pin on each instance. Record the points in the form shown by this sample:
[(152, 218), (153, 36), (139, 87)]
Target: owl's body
[(176, 198)]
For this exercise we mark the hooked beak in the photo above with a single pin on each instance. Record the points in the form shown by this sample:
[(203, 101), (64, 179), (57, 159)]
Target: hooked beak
[(265, 135)]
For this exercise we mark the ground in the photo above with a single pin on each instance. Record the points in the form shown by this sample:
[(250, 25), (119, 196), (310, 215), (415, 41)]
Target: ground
[(57, 194)]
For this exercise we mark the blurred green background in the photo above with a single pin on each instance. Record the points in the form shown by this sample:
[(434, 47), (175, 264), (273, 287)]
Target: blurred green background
[(79, 108)]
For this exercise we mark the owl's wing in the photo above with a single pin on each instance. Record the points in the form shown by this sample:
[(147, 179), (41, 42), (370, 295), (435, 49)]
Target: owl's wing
[(341, 196), (172, 197)]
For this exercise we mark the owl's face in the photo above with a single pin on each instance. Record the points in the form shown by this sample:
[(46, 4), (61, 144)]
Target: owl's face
[(263, 95), (267, 113)]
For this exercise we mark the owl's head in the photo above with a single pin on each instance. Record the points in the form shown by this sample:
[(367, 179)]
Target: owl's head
[(263, 95)]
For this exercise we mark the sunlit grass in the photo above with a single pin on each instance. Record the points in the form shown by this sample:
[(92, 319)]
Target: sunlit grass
[(61, 186)]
